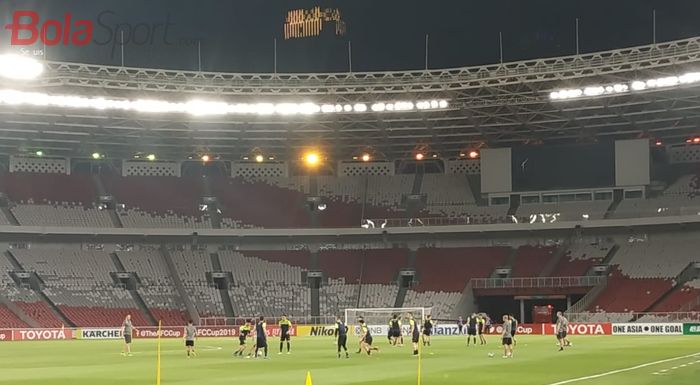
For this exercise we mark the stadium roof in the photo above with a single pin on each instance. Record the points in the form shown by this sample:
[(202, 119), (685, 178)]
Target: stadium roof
[(495, 105)]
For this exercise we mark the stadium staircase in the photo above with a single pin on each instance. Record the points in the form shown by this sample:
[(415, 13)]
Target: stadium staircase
[(617, 199), (403, 289), (688, 274), (611, 254), (588, 299), (509, 263), (315, 291), (52, 306), (514, 205), (225, 297), (359, 283), (314, 215), (116, 222), (418, 180), (134, 292), (9, 215), (172, 270), (466, 304), (475, 185)]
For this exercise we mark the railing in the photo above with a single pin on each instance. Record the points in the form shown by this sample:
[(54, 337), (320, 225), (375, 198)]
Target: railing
[(536, 282), (692, 316)]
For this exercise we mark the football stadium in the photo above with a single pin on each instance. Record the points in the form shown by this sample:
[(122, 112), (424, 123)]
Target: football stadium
[(298, 192)]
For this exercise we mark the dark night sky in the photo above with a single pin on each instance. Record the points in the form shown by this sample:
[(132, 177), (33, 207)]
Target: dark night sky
[(238, 36)]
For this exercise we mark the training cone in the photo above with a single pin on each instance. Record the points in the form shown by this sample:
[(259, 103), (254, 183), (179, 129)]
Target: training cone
[(308, 379)]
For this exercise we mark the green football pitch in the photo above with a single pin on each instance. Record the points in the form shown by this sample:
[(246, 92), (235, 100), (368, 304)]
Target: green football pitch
[(591, 361)]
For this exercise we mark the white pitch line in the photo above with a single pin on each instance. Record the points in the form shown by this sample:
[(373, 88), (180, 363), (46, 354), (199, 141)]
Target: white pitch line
[(625, 370)]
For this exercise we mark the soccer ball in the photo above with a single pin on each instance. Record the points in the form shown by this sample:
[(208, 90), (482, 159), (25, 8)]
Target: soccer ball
[(491, 355)]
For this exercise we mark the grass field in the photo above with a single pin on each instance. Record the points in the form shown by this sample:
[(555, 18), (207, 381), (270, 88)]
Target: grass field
[(447, 362)]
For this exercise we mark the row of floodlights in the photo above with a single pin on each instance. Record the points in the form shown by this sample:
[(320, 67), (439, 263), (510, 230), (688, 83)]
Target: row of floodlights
[(621, 88), (207, 108)]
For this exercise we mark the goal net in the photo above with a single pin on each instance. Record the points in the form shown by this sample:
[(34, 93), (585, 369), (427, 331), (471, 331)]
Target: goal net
[(378, 318)]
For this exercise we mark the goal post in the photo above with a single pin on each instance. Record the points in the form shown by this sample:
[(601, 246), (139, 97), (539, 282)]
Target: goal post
[(377, 318)]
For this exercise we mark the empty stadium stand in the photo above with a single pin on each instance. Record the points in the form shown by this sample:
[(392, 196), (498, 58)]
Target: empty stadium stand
[(157, 287), (79, 284), (267, 282), (449, 269), (158, 201)]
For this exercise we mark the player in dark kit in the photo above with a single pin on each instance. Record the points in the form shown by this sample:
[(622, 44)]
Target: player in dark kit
[(427, 329), (472, 325), (394, 329), (366, 341), (415, 334), (285, 329), (261, 336), (243, 334), (341, 333)]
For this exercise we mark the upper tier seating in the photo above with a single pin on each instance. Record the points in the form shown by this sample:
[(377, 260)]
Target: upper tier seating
[(61, 215), (641, 259), (260, 204), (158, 201), (569, 211), (681, 197), (59, 189), (449, 269), (447, 194), (580, 258)]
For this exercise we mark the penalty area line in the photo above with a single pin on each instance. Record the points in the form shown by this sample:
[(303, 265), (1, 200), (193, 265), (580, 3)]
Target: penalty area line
[(610, 373)]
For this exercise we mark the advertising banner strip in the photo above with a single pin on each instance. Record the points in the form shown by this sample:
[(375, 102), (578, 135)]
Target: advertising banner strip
[(204, 331), (99, 334), (41, 334), (647, 329), (691, 329)]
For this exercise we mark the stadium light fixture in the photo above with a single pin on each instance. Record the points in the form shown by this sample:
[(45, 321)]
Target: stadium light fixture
[(312, 159), (18, 67)]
